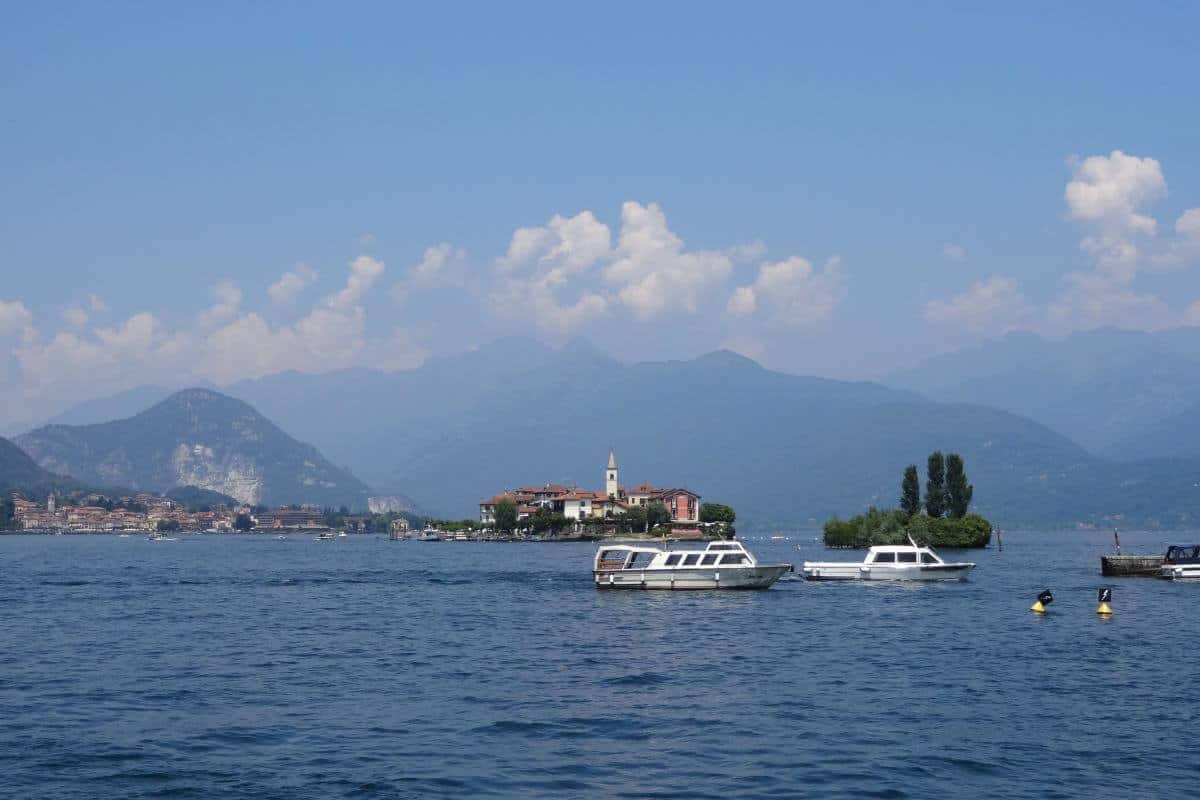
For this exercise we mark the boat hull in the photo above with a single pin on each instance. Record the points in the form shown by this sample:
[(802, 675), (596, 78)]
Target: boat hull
[(851, 571), (756, 577), (1181, 572)]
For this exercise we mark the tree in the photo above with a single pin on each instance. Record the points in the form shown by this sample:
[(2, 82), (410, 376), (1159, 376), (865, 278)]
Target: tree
[(7, 513), (958, 491), (243, 522), (506, 515), (716, 512), (545, 519), (167, 525), (935, 485), (657, 514), (910, 491)]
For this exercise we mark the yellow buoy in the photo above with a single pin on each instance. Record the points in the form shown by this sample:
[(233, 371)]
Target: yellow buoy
[(1044, 599), (1105, 610)]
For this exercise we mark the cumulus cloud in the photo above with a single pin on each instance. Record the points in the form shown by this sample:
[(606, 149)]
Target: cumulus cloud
[(994, 305), (228, 303), (364, 271), (75, 316), (291, 283), (1109, 194), (14, 317), (97, 304), (791, 291), (440, 265), (533, 277), (653, 270)]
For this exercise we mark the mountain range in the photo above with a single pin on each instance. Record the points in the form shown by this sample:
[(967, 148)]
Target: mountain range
[(198, 438), (785, 450), (1125, 395)]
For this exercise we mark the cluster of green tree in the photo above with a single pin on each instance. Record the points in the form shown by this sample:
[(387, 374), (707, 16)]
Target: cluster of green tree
[(165, 525), (894, 526), (368, 523), (196, 499), (945, 523), (7, 514), (721, 515), (127, 503)]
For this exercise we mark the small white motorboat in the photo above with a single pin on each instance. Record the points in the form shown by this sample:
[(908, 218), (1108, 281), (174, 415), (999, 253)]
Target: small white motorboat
[(904, 562), (721, 565), (429, 535), (1181, 563), (324, 537)]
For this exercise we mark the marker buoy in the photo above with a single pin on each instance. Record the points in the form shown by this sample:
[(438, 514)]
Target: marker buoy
[(1105, 595), (1044, 599)]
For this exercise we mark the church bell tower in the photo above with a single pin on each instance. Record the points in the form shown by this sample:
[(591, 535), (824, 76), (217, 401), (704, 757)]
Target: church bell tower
[(611, 486)]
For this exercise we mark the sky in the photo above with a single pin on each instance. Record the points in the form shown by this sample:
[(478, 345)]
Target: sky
[(212, 192)]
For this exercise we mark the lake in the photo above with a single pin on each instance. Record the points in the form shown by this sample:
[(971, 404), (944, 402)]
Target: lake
[(245, 666)]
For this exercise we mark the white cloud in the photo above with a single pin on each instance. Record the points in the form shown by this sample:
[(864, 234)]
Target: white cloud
[(228, 303), (440, 265), (743, 301), (994, 305), (291, 283), (653, 270), (364, 271), (538, 268), (14, 317), (75, 316), (1110, 189), (792, 291), (97, 304), (954, 252)]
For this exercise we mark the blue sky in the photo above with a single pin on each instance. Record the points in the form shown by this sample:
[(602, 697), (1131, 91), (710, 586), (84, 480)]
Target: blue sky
[(831, 189)]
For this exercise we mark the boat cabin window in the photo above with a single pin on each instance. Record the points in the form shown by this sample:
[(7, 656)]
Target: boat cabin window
[(910, 558), (640, 560), (691, 559), (884, 558), (709, 559), (734, 558), (928, 558), (721, 547), (673, 559)]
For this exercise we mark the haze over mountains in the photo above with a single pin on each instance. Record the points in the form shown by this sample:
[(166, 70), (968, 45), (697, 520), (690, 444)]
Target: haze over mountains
[(198, 438), (785, 450), (1107, 389)]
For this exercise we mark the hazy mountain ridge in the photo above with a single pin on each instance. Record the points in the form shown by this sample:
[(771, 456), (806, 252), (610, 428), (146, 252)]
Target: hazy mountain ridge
[(19, 472), (1103, 388), (785, 450), (198, 438)]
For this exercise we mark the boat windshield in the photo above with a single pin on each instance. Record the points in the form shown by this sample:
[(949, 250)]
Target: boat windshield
[(884, 558), (929, 558), (1183, 555)]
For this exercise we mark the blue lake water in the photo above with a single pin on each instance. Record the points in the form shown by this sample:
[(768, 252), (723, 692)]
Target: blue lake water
[(235, 666)]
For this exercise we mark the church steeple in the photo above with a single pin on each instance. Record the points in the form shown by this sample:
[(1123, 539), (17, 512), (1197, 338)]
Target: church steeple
[(611, 486)]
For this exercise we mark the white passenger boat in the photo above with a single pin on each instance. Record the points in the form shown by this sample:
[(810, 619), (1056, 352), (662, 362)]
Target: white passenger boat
[(1181, 563), (721, 565), (905, 562), (428, 535)]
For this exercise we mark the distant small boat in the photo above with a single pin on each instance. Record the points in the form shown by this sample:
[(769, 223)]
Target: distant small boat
[(158, 537), (281, 538), (325, 537), (342, 535)]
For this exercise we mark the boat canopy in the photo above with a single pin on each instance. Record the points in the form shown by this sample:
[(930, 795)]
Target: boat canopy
[(1177, 554)]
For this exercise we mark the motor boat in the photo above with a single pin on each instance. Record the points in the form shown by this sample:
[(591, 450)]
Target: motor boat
[(720, 565), (428, 535), (1181, 563), (905, 562), (327, 536)]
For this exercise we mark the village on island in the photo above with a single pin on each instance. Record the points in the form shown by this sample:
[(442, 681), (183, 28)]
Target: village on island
[(528, 513)]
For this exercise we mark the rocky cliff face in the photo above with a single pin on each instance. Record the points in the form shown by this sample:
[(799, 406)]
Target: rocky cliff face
[(198, 438)]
